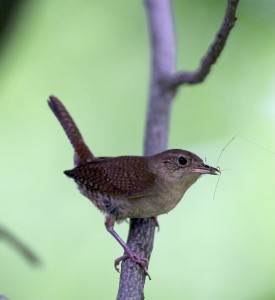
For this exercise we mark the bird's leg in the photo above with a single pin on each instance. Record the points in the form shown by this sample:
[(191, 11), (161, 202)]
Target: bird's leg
[(129, 253)]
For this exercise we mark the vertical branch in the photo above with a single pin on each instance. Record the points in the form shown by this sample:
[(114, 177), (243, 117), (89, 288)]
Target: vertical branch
[(163, 57)]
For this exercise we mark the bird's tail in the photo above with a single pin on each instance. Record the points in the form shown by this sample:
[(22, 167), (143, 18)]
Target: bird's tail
[(82, 152)]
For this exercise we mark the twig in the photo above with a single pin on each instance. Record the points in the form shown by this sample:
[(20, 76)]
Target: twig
[(213, 52)]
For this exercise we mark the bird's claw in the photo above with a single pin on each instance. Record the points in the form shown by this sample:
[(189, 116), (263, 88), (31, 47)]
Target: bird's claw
[(155, 219), (142, 261)]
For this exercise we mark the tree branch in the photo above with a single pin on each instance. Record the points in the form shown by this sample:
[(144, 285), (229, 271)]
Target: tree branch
[(163, 71), (213, 52), (163, 45), (21, 248)]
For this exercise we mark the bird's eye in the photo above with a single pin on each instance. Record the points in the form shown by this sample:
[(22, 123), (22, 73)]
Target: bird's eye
[(182, 160)]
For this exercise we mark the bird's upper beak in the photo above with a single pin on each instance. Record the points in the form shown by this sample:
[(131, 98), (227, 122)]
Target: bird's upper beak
[(205, 169)]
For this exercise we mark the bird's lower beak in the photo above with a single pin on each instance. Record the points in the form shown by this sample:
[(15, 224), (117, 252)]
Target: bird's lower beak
[(205, 169)]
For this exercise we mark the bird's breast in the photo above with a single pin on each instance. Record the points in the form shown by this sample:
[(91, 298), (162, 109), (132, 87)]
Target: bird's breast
[(159, 202)]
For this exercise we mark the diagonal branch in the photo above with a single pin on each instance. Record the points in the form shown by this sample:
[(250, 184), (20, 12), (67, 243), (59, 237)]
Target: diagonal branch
[(19, 246), (213, 52)]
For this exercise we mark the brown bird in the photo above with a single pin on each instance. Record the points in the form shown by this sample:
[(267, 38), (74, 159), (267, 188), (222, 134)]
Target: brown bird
[(130, 186)]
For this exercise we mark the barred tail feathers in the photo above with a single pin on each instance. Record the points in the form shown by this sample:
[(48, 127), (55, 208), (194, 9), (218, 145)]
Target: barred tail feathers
[(82, 152)]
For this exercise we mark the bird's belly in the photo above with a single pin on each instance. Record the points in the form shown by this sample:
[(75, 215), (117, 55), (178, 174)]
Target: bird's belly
[(145, 207), (140, 207)]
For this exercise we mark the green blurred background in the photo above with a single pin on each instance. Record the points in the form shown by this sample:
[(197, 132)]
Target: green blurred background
[(94, 55)]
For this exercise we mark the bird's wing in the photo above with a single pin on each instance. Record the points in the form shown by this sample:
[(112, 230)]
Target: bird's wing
[(125, 176)]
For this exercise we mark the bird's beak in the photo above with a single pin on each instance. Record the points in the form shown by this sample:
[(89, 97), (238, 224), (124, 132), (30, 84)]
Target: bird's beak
[(205, 169)]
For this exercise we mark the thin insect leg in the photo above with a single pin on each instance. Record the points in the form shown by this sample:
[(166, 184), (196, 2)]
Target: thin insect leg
[(216, 187), (224, 149), (255, 144)]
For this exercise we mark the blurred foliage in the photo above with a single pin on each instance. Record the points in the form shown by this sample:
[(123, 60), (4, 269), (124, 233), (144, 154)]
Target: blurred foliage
[(95, 56), (8, 10)]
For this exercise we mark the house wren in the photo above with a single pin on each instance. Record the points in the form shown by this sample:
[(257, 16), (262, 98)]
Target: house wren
[(130, 186)]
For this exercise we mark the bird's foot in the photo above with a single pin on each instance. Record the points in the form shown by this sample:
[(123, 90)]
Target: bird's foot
[(142, 261), (128, 252)]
